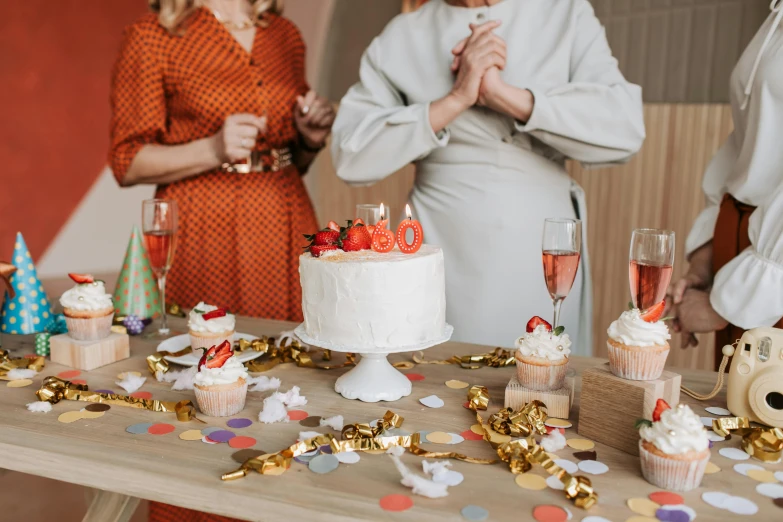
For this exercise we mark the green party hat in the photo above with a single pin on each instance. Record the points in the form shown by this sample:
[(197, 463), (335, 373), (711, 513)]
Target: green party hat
[(29, 311), (137, 290)]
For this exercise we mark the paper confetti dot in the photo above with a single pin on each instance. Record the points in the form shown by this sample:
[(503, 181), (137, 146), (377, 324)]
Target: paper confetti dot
[(714, 437), (762, 475), (457, 385), (475, 513), (439, 437), (297, 415), (666, 498), (348, 457), (547, 513), (313, 421), (554, 483), (643, 506), (770, 490), (466, 405), (97, 407), (69, 417), (715, 410), (477, 429), (396, 503), (456, 438), (470, 435), (415, 377), (557, 423), (70, 374), (707, 421), (19, 383), (222, 435), (141, 395), (530, 481), (239, 423), (79, 381), (593, 467), (206, 440), (711, 468), (324, 464), (734, 454), (586, 455), (139, 428), (210, 429), (567, 465), (240, 442), (581, 444), (191, 435), (160, 429), (741, 506), (92, 414), (675, 513), (432, 401)]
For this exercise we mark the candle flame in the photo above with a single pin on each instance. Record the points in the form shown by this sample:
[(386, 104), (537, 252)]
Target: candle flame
[(383, 211), (408, 210)]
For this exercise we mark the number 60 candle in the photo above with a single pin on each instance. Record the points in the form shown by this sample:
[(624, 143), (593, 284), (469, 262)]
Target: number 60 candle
[(418, 234), (382, 238)]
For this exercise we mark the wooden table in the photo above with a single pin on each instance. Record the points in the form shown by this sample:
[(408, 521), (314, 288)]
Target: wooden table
[(100, 454)]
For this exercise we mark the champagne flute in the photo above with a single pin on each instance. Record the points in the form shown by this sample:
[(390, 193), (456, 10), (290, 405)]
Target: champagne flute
[(650, 267), (370, 213), (159, 225), (561, 249)]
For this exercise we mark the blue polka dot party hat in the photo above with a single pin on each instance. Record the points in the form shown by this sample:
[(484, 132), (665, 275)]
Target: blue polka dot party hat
[(28, 312)]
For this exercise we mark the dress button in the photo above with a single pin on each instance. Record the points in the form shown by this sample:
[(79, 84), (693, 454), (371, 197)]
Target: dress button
[(480, 17)]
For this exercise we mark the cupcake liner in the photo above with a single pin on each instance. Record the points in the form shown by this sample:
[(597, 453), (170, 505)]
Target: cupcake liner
[(221, 400), (208, 341), (670, 473), (541, 377), (636, 365), (90, 328)]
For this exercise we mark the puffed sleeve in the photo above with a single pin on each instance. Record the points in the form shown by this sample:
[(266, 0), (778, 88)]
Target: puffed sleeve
[(376, 133), (714, 187), (747, 291), (597, 117), (138, 100)]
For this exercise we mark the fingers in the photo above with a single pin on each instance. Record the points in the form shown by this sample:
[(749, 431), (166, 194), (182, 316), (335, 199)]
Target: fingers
[(245, 119), (484, 28), (305, 103), (457, 50), (679, 290)]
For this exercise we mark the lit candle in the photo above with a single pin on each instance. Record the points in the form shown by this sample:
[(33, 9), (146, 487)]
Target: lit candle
[(382, 237), (418, 234)]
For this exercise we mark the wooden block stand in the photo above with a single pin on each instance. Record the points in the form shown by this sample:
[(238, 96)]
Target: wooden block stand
[(610, 406), (88, 355), (558, 402)]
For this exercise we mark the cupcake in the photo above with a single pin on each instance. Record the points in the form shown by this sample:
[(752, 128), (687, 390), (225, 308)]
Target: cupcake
[(221, 382), (542, 356), (210, 326), (674, 448), (88, 309), (638, 344)]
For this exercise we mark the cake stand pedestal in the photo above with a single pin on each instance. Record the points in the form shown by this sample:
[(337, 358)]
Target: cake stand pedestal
[(373, 379)]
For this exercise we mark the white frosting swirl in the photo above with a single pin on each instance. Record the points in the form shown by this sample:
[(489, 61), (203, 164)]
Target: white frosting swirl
[(197, 323), (87, 297), (679, 431), (631, 330), (230, 372), (545, 344)]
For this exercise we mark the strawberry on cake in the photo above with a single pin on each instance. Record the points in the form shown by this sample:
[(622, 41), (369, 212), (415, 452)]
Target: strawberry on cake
[(221, 382), (88, 309), (542, 356)]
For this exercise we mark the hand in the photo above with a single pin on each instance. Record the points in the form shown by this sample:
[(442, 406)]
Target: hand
[(699, 276), (474, 56), (313, 118), (238, 137), (696, 315)]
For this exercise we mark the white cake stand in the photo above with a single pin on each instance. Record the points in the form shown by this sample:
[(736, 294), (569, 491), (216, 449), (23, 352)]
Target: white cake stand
[(373, 379)]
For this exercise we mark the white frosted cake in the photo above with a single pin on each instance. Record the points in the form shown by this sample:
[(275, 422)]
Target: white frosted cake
[(372, 300)]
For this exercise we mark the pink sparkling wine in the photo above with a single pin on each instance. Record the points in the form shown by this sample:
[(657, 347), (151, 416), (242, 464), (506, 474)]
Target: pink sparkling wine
[(648, 283), (560, 268), (160, 249)]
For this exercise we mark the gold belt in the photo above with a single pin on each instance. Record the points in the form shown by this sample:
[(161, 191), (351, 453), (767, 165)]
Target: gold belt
[(268, 160)]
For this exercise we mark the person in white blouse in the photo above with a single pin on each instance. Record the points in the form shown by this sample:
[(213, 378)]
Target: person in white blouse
[(488, 98), (735, 278)]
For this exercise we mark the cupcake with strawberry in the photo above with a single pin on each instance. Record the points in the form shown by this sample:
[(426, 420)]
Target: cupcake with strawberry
[(221, 382), (638, 344), (674, 447), (353, 237), (542, 356), (88, 309), (210, 326)]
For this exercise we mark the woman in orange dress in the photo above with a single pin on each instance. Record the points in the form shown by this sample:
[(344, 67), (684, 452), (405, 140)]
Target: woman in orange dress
[(204, 91)]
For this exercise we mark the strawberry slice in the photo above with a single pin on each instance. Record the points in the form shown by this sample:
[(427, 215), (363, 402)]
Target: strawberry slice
[(317, 250), (82, 278), (653, 314), (333, 226), (207, 355), (222, 354), (660, 407), (536, 321), (214, 314)]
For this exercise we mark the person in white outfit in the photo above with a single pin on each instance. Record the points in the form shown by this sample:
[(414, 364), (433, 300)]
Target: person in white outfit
[(489, 98), (735, 278)]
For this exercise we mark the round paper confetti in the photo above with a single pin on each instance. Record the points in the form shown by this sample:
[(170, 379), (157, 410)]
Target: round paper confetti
[(121, 376), (297, 415), (457, 385), (432, 401), (643, 506), (743, 469), (715, 410), (466, 405), (550, 514), (138, 429), (239, 423), (70, 416), (396, 503), (586, 455), (206, 440), (456, 438), (580, 444), (554, 483), (313, 421), (593, 467), (324, 464), (439, 437), (530, 481), (557, 423), (770, 490), (191, 435), (348, 457), (92, 414), (109, 392), (762, 475), (470, 435), (19, 383), (210, 429), (666, 498), (675, 513), (714, 437), (477, 429), (222, 435), (715, 498), (415, 377), (79, 381), (141, 395), (475, 513), (707, 421), (70, 374), (741, 506), (160, 429), (97, 407), (734, 454), (240, 442), (567, 465), (711, 468)]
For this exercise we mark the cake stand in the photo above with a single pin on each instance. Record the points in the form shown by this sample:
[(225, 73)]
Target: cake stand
[(373, 379)]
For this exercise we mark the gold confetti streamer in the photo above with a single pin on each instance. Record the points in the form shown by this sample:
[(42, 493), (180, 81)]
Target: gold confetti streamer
[(8, 363), (478, 398), (156, 362), (498, 358), (764, 444)]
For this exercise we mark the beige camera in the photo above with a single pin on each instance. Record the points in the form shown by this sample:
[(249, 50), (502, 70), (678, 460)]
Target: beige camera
[(755, 384)]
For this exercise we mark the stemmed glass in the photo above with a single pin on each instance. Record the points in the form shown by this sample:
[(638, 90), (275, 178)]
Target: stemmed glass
[(159, 225), (370, 213), (650, 267), (561, 249)]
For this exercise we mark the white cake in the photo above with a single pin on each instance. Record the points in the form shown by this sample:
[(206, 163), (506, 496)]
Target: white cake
[(371, 300)]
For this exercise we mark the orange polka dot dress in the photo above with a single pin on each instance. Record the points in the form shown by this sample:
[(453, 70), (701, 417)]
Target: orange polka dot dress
[(239, 235)]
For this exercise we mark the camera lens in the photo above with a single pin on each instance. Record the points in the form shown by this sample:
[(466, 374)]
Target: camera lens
[(775, 400)]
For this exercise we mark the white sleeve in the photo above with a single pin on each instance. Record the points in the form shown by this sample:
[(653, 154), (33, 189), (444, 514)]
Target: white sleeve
[(714, 187), (748, 291), (375, 132), (598, 116)]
